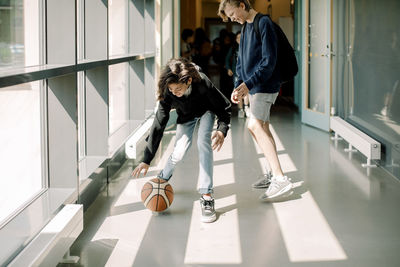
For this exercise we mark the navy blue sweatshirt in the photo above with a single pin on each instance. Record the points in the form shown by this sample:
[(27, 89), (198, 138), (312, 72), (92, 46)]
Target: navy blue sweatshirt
[(257, 58), (203, 97)]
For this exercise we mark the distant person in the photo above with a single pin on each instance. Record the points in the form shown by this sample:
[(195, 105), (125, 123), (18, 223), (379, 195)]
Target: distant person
[(224, 42), (257, 78), (197, 102), (230, 66), (202, 50), (187, 43)]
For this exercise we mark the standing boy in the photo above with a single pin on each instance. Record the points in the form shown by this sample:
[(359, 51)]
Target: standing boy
[(183, 87), (258, 77)]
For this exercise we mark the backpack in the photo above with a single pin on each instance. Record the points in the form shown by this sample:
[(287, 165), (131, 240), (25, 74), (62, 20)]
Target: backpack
[(286, 61)]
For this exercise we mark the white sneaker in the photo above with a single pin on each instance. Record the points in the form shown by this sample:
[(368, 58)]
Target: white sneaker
[(278, 187), (263, 181), (208, 214), (241, 113), (247, 111)]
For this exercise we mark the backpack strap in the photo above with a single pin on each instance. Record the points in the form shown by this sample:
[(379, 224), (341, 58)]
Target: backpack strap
[(256, 24)]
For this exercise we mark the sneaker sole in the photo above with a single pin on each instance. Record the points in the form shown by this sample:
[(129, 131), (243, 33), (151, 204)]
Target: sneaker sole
[(281, 192), (209, 219), (259, 186)]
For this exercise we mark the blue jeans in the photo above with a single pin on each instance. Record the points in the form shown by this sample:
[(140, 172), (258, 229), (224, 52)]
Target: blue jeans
[(184, 134)]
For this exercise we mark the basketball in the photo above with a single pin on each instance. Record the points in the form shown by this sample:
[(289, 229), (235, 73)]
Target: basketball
[(157, 194)]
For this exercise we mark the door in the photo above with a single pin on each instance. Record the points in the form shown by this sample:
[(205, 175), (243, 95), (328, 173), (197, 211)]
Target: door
[(317, 94)]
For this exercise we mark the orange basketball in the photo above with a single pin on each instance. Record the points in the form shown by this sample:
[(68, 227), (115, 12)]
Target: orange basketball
[(157, 194)]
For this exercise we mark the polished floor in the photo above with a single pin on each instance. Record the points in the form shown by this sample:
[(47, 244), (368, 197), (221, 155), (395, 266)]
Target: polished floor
[(339, 214)]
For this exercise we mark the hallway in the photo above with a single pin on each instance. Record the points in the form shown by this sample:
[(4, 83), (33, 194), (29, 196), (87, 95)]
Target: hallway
[(337, 215)]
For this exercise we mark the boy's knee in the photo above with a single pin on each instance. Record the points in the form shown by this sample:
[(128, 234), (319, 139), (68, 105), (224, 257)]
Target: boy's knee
[(253, 125)]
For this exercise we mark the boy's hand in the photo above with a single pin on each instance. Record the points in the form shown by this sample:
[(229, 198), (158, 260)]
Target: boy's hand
[(242, 90), (230, 72), (219, 140), (142, 166), (234, 97)]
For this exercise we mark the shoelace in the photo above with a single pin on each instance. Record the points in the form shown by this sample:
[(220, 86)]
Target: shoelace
[(208, 204), (274, 185)]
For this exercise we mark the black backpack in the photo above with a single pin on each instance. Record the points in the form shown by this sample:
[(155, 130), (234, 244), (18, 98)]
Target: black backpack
[(286, 61)]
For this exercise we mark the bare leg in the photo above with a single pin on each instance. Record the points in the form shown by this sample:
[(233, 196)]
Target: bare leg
[(265, 140), (246, 100), (240, 104)]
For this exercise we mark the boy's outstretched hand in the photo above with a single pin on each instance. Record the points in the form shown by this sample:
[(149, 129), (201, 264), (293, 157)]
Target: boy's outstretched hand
[(142, 166), (219, 140), (239, 92)]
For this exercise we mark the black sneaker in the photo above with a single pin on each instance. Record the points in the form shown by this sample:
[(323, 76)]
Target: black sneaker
[(208, 213), (263, 181)]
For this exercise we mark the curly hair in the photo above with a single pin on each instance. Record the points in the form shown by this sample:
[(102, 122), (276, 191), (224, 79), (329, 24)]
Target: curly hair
[(176, 71), (235, 3)]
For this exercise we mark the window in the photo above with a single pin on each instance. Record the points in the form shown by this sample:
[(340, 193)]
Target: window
[(21, 143), (20, 33)]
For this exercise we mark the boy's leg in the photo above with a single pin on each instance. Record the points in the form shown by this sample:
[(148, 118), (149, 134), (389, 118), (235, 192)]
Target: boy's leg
[(260, 105), (184, 134), (266, 143), (263, 180), (207, 202), (205, 153)]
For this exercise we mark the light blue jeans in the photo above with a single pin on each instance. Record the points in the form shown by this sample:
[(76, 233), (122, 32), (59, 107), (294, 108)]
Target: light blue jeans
[(184, 134)]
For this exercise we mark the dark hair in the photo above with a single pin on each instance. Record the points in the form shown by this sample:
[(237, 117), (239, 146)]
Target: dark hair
[(235, 3), (186, 33), (176, 71)]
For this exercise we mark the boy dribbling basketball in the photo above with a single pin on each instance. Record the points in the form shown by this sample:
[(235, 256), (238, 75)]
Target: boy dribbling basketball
[(183, 87)]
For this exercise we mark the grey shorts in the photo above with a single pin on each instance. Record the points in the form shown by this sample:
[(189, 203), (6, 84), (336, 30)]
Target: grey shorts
[(260, 105)]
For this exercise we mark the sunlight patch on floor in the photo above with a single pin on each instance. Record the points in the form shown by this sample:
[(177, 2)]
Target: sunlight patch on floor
[(120, 227), (131, 192), (370, 187), (307, 235), (287, 163), (218, 242), (223, 174), (226, 149)]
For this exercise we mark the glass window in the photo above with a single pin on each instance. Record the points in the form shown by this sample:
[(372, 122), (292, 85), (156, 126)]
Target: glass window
[(19, 33), (81, 115), (369, 54), (80, 39), (118, 96), (118, 21), (21, 146)]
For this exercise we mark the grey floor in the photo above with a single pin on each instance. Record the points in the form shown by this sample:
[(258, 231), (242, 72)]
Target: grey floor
[(339, 214)]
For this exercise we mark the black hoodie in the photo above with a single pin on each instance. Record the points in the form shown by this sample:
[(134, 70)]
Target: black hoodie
[(203, 97)]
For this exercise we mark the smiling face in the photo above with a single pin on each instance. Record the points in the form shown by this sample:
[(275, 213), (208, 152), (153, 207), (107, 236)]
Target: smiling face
[(236, 14), (178, 89)]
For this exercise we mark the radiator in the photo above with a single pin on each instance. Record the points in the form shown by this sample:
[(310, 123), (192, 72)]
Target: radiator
[(50, 246), (356, 139), (136, 143)]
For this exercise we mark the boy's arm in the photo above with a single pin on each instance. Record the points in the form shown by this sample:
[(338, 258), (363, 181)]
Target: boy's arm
[(156, 131), (269, 51), (220, 106), (239, 79)]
